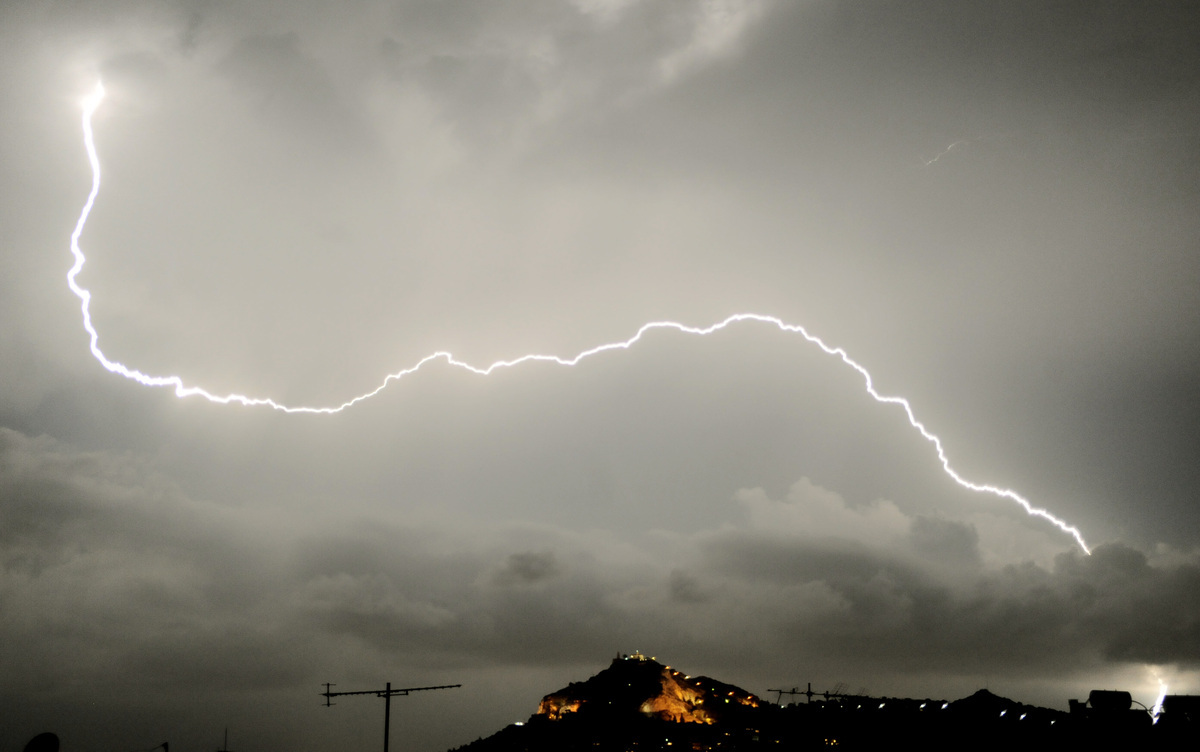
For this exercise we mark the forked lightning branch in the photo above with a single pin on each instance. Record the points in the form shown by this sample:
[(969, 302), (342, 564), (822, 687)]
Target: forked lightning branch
[(182, 389)]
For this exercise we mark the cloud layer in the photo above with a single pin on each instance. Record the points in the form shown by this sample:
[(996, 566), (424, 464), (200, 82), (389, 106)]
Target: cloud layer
[(113, 577)]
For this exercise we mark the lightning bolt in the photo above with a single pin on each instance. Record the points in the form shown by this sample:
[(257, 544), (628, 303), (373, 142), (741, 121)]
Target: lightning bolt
[(1156, 711), (946, 151), (92, 102)]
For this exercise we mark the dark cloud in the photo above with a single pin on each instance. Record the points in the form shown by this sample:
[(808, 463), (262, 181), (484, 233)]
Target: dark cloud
[(1111, 606), (292, 91), (528, 567), (954, 543), (685, 588), (112, 574)]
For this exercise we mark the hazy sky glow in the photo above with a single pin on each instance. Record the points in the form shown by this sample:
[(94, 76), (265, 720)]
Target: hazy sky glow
[(993, 206)]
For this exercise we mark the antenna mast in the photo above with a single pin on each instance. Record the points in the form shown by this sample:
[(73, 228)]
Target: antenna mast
[(386, 694)]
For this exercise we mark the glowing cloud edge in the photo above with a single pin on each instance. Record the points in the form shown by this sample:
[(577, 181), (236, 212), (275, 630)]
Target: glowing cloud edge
[(92, 102)]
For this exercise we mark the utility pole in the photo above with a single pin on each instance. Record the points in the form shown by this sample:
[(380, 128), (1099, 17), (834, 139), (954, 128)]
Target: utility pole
[(386, 694)]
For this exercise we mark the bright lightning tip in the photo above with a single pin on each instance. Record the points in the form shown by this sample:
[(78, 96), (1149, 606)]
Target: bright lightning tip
[(92, 101)]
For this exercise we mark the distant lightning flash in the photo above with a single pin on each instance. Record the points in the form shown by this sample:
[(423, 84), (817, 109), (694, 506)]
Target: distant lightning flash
[(1156, 711), (92, 102), (947, 150)]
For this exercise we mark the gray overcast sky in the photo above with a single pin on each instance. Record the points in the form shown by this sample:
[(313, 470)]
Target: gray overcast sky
[(995, 207)]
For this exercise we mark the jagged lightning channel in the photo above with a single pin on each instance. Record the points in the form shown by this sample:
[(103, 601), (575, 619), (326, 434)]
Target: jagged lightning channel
[(92, 102), (1156, 710), (947, 150)]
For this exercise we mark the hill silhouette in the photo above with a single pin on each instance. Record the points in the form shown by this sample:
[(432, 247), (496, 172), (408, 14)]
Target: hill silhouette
[(637, 704)]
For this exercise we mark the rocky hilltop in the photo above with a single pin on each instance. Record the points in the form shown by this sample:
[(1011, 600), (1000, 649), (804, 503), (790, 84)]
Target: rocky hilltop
[(637, 684)]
